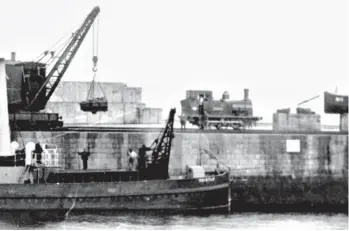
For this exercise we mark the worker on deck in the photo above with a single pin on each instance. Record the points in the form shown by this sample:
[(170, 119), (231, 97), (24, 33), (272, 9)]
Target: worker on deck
[(29, 150), (132, 159), (14, 146), (84, 156), (183, 122), (142, 159), (38, 152)]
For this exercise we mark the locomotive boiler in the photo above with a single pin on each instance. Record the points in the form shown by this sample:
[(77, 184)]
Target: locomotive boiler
[(200, 109)]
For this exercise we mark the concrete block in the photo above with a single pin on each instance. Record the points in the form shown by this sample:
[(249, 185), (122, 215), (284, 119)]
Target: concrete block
[(151, 116), (57, 95), (81, 91), (70, 92), (116, 113), (113, 91), (80, 117), (94, 119), (67, 111), (132, 95), (141, 106), (131, 113), (343, 126), (296, 122)]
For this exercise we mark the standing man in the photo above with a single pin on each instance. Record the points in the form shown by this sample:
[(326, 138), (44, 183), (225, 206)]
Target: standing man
[(142, 159), (38, 151), (183, 122), (29, 150), (132, 159), (84, 156)]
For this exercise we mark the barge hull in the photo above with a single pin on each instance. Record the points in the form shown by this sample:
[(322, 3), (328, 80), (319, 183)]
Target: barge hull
[(208, 193)]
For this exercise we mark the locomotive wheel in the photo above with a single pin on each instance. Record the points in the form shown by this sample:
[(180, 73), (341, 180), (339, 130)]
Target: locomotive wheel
[(219, 126), (236, 126)]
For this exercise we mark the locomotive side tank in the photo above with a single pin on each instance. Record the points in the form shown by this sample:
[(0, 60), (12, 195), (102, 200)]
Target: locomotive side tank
[(200, 109)]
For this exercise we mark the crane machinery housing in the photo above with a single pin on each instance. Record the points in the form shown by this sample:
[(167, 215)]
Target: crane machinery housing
[(31, 84)]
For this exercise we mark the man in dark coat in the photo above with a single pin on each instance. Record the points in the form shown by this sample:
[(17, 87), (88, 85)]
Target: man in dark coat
[(38, 151), (183, 122), (84, 156), (142, 157)]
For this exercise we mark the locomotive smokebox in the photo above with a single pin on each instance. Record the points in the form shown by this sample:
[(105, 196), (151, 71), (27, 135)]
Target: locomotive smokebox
[(245, 94)]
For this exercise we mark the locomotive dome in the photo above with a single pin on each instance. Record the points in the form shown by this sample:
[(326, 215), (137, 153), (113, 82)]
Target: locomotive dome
[(225, 96)]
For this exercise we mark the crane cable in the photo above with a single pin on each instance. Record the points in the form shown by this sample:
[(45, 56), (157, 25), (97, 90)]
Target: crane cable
[(95, 50), (51, 49), (94, 60)]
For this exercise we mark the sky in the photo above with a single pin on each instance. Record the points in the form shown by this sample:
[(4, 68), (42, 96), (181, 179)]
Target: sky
[(284, 52)]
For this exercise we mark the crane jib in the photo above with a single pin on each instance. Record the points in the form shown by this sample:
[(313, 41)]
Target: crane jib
[(65, 59)]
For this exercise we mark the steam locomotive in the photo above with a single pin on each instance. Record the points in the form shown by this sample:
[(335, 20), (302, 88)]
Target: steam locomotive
[(200, 109)]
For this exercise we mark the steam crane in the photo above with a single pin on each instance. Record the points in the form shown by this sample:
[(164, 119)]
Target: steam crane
[(158, 168), (29, 88)]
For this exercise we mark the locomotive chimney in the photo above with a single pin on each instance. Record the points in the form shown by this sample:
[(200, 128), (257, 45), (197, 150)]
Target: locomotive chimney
[(13, 56), (245, 94)]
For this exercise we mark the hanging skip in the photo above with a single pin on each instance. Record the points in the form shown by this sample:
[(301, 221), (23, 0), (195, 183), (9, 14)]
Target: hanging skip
[(94, 104)]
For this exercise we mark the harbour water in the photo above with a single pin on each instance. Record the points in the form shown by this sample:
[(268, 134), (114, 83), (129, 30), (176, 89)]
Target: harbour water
[(239, 221)]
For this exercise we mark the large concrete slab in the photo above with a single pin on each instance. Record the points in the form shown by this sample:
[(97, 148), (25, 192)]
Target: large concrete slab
[(124, 104), (151, 116), (71, 91), (132, 95), (296, 122), (118, 113)]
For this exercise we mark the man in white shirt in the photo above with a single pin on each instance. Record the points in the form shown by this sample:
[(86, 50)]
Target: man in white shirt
[(133, 156)]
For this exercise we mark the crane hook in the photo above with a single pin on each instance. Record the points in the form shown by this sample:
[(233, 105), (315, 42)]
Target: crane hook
[(95, 60)]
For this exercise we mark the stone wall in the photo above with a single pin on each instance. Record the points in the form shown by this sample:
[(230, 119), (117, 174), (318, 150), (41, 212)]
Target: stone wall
[(245, 154)]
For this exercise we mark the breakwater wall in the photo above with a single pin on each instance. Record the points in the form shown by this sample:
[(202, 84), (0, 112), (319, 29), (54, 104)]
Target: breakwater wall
[(269, 168), (271, 154)]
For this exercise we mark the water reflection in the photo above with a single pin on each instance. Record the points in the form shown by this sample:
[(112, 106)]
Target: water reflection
[(242, 221)]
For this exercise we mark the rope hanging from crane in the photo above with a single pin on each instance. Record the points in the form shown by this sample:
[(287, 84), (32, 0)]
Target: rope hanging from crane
[(92, 103)]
